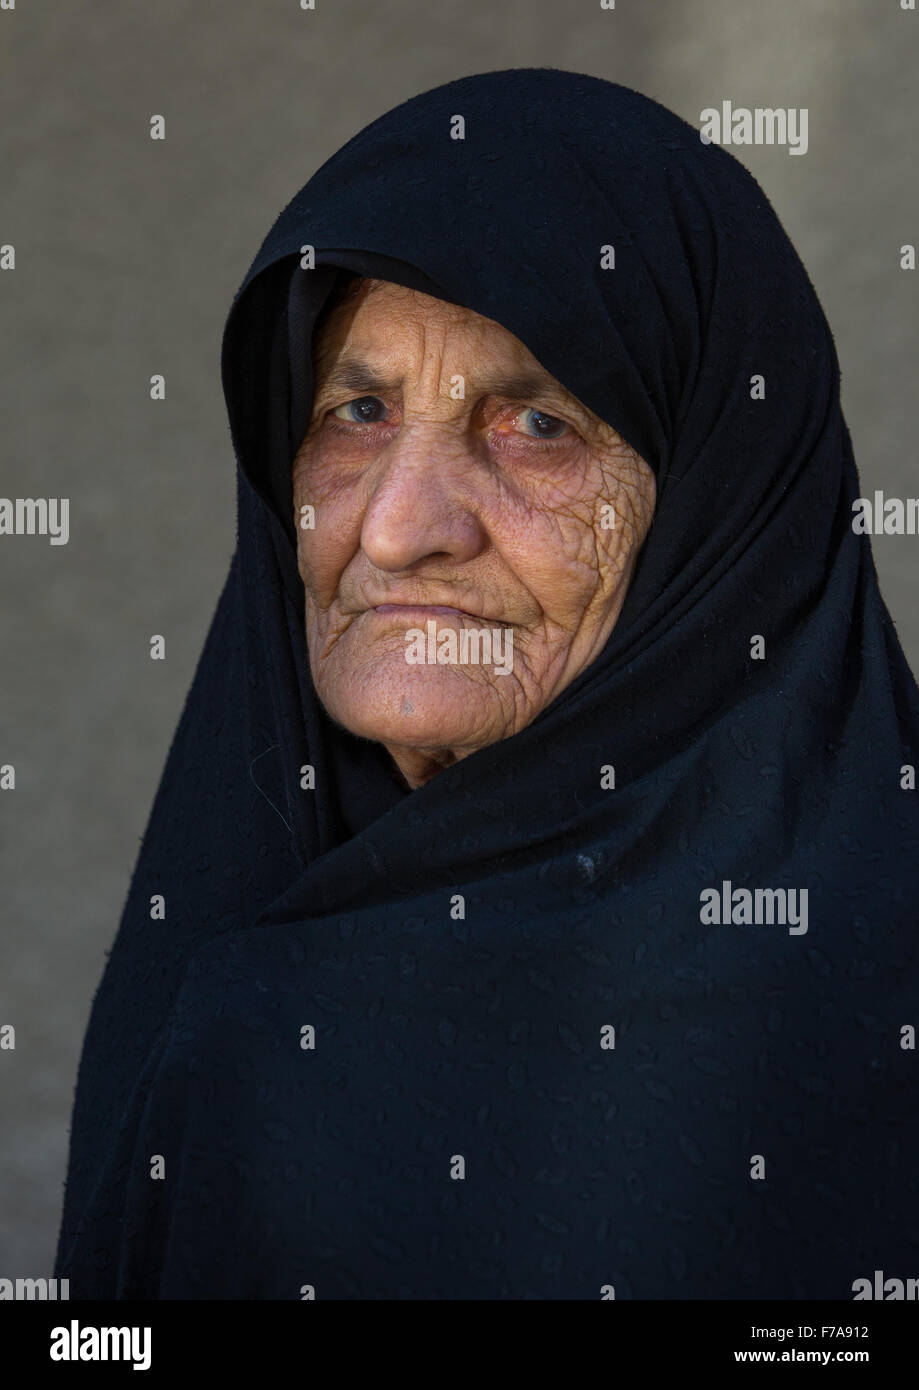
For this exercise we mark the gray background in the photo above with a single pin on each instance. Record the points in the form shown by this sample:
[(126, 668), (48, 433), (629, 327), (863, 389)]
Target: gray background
[(128, 254)]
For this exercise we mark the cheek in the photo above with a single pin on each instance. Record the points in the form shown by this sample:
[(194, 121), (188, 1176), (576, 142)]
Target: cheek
[(556, 541), (334, 511), (327, 466)]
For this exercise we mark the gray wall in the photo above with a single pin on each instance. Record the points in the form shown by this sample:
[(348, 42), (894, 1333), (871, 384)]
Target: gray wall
[(128, 254)]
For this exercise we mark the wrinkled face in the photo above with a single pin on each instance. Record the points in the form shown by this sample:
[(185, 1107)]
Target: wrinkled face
[(453, 487)]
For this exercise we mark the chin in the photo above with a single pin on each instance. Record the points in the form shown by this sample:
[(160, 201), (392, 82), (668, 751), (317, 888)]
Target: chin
[(419, 707)]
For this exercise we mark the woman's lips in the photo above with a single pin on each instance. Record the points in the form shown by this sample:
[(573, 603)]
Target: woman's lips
[(419, 612)]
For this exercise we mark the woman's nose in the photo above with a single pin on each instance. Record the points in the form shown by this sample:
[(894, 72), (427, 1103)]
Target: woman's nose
[(423, 502)]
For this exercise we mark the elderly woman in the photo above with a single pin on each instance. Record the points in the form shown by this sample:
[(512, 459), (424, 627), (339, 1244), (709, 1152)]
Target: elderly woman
[(528, 906)]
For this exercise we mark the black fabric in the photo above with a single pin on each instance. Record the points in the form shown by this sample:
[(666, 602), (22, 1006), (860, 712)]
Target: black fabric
[(480, 1037)]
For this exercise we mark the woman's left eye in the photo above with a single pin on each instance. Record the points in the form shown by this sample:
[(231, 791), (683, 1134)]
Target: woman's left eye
[(538, 425)]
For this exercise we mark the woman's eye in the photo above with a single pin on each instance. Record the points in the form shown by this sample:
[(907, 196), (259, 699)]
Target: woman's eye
[(538, 425), (366, 410)]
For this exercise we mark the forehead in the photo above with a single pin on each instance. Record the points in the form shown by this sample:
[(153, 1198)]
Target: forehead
[(376, 318)]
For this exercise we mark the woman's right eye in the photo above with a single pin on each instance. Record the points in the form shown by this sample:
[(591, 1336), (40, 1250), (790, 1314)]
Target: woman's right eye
[(365, 410)]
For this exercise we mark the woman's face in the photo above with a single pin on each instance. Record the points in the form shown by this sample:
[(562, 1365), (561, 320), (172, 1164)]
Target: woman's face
[(454, 485)]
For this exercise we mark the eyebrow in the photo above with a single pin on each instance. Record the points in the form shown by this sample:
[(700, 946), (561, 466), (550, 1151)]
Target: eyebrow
[(363, 379)]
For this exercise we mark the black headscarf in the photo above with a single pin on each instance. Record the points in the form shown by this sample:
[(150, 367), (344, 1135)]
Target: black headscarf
[(752, 1131)]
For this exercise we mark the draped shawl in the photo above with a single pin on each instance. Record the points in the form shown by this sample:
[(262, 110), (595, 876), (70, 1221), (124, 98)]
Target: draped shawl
[(484, 1039)]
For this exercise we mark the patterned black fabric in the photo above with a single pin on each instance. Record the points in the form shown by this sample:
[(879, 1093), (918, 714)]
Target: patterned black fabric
[(441, 1037)]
